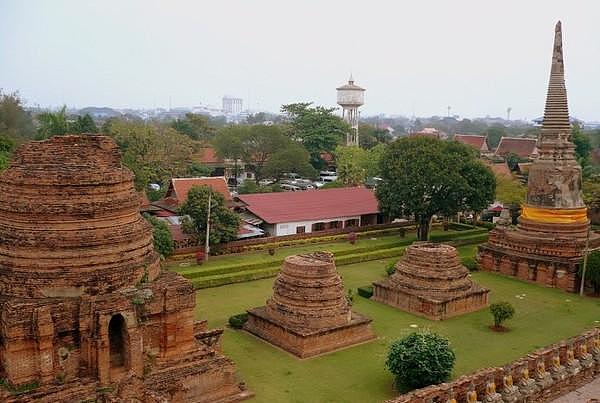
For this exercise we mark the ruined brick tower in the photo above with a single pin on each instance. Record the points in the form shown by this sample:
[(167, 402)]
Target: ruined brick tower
[(549, 241), (85, 310)]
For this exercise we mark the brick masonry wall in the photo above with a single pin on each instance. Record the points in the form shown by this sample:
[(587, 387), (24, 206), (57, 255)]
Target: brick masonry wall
[(583, 369)]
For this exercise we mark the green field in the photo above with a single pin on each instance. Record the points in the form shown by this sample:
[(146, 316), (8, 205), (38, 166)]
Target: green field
[(358, 374)]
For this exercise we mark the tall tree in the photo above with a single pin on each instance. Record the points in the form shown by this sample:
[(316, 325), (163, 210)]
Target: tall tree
[(83, 124), (317, 128), (370, 136), (52, 124), (351, 164), (224, 223), (15, 122), (195, 126), (494, 134), (293, 158), (260, 143), (426, 177), (583, 145)]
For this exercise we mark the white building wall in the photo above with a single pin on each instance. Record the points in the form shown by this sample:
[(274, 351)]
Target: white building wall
[(289, 228)]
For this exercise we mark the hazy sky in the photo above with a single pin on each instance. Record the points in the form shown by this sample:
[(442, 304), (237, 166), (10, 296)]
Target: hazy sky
[(413, 57)]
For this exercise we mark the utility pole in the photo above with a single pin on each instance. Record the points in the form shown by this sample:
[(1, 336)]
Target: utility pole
[(207, 245), (508, 110)]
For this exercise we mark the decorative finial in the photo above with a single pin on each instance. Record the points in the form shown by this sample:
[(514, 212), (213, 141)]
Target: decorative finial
[(351, 79), (557, 55)]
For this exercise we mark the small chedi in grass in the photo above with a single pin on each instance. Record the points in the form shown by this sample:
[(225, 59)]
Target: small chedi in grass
[(309, 312), (430, 281), (501, 311), (420, 359)]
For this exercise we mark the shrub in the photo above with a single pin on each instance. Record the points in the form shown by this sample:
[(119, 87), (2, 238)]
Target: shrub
[(365, 292), (456, 226), (420, 359), (237, 321), (352, 238), (163, 241), (470, 263), (592, 271), (271, 251), (200, 256), (390, 268), (485, 224), (501, 311), (350, 297)]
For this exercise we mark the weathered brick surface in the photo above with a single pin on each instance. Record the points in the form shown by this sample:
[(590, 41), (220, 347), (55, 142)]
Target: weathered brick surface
[(308, 313), (430, 281), (76, 258), (578, 363)]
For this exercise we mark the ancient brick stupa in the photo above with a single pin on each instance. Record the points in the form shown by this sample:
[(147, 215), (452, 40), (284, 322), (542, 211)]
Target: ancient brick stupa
[(308, 313), (85, 309), (548, 243), (430, 281)]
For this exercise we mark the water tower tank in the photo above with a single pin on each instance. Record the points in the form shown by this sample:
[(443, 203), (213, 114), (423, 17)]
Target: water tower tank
[(350, 94)]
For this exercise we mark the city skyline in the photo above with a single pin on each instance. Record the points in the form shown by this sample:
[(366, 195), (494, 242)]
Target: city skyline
[(414, 59)]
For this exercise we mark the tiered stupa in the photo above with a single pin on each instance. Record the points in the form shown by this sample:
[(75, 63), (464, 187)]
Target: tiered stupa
[(549, 241), (430, 281), (85, 311), (308, 313)]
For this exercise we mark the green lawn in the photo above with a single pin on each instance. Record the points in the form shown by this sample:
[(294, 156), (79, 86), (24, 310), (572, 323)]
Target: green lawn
[(358, 374)]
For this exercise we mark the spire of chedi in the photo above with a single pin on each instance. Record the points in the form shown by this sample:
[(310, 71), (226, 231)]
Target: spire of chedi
[(555, 178)]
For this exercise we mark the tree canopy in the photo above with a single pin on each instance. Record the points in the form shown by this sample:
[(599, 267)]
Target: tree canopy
[(195, 126), (354, 164), (293, 158), (425, 177), (15, 122), (317, 128), (224, 223)]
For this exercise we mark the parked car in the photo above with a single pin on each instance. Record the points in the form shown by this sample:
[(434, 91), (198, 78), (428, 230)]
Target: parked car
[(266, 182), (290, 188)]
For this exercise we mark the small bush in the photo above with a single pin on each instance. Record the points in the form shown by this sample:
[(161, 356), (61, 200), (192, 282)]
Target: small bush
[(350, 297), (470, 263), (271, 251), (420, 359), (501, 311), (163, 241), (486, 224), (390, 268), (352, 238), (237, 321), (456, 226), (365, 292)]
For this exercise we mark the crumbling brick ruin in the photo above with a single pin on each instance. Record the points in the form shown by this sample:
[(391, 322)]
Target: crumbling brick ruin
[(85, 311), (548, 243), (430, 281), (308, 313)]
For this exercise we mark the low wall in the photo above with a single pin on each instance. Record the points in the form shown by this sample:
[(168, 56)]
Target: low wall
[(579, 363)]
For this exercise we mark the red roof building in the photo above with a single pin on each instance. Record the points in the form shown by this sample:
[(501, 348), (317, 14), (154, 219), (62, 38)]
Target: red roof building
[(523, 147), (475, 141), (286, 213), (208, 156), (179, 188)]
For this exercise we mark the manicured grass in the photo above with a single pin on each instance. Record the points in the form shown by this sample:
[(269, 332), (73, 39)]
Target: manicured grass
[(358, 374)]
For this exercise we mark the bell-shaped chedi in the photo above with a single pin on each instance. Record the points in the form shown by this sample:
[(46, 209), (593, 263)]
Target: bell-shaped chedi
[(85, 309), (549, 241), (308, 313), (430, 281)]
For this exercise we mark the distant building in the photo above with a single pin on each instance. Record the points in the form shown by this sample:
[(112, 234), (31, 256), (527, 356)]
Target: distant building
[(523, 147), (429, 132), (287, 213), (475, 141), (232, 105), (179, 187)]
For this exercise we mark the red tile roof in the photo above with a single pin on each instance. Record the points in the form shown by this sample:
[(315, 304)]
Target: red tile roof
[(501, 169), (179, 187), (479, 142), (311, 204), (523, 147), (207, 156)]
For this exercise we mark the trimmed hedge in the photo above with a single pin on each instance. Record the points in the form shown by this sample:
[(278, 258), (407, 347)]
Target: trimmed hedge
[(237, 321), (365, 292), (457, 226)]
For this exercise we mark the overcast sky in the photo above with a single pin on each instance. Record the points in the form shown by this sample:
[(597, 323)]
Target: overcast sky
[(413, 57)]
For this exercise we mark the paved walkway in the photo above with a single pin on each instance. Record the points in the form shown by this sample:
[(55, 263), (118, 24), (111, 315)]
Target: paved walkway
[(587, 393)]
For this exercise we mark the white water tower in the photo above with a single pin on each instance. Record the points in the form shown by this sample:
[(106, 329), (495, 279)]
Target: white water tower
[(350, 96)]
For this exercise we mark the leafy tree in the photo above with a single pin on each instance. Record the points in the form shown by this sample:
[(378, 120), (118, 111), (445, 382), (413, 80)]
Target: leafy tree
[(494, 134), (163, 240), (583, 145), (351, 164), (370, 136), (154, 153), (229, 144), (224, 223), (250, 186), (426, 177), (260, 143), (52, 124), (513, 160), (195, 126), (420, 359), (333, 185), (592, 271), (317, 128), (293, 158), (510, 191), (83, 124), (15, 122), (501, 311)]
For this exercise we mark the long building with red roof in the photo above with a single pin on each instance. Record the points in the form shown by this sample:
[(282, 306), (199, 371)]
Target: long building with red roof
[(521, 146), (179, 188), (286, 213), (476, 141)]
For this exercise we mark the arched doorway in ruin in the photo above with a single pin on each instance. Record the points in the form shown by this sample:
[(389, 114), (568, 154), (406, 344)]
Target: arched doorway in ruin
[(117, 336)]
